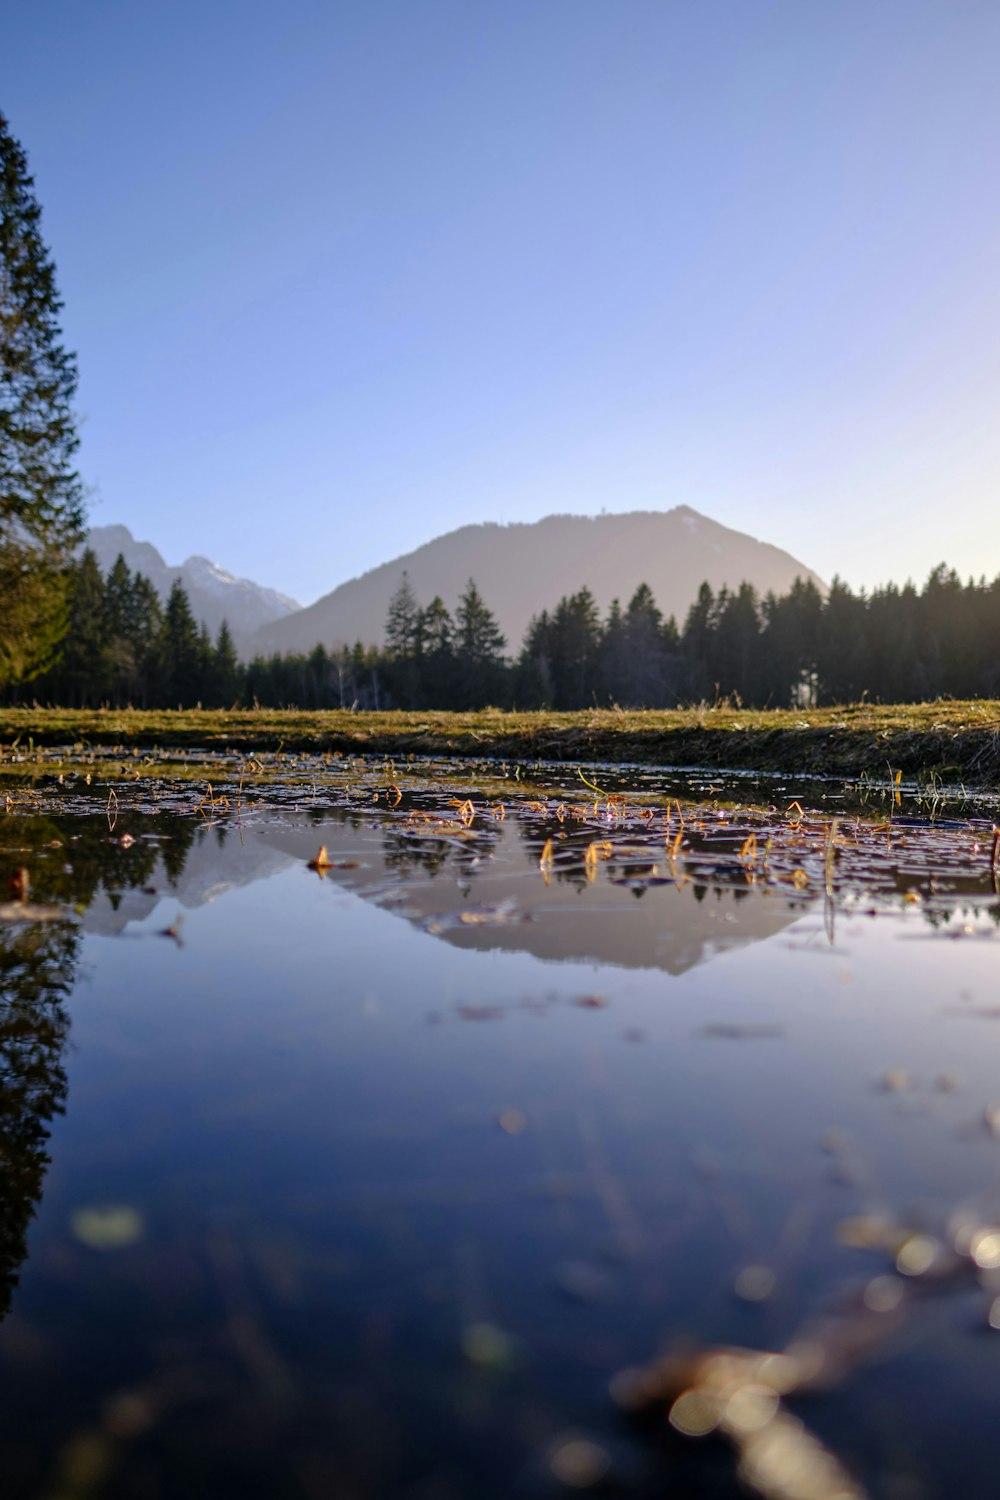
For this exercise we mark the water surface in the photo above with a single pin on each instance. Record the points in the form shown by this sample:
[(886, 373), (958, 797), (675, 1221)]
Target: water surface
[(377, 1179)]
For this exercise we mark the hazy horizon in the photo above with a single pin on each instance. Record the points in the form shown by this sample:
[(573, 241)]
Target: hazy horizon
[(341, 280)]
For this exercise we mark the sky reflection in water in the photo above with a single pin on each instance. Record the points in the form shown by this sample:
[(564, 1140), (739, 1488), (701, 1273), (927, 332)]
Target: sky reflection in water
[(355, 1197)]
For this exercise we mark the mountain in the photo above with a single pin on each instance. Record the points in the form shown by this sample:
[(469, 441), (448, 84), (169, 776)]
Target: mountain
[(524, 568), (215, 595)]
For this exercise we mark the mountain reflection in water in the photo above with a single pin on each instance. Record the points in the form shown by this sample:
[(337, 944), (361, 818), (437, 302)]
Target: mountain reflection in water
[(487, 898), (672, 927), (350, 1244)]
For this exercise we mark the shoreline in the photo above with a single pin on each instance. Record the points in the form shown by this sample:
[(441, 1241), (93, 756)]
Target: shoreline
[(956, 742)]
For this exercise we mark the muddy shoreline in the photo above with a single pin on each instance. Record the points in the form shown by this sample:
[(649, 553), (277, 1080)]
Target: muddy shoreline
[(955, 743)]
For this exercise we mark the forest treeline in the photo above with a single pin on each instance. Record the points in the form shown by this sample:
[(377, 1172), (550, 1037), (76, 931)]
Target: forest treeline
[(898, 644)]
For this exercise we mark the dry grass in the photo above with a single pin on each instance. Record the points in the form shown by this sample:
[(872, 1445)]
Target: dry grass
[(953, 740)]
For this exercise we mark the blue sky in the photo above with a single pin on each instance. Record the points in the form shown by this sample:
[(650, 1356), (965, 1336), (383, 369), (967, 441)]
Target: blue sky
[(341, 277)]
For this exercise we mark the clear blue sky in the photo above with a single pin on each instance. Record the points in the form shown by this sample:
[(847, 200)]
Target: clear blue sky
[(342, 276)]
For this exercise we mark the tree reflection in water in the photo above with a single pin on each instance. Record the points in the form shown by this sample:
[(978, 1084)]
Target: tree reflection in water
[(69, 861), (37, 971)]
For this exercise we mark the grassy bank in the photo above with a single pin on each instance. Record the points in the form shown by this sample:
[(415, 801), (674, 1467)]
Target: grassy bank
[(954, 741)]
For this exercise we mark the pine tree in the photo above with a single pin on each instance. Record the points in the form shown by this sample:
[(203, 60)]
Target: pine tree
[(404, 644), (534, 687), (737, 637), (119, 628), (696, 647), (206, 691), (843, 659), (614, 655), (480, 644), (790, 645), (575, 645), (82, 676), (144, 634), (401, 620), (437, 635), (41, 497), (180, 652), (319, 678), (645, 681)]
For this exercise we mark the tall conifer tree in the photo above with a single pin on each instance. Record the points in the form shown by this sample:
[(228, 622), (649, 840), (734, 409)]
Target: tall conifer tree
[(479, 655), (181, 652), (41, 497)]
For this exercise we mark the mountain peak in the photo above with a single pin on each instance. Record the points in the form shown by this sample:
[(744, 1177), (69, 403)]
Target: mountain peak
[(525, 567), (215, 594)]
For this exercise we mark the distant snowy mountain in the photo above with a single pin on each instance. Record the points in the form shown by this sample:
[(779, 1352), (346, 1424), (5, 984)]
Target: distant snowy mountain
[(215, 594)]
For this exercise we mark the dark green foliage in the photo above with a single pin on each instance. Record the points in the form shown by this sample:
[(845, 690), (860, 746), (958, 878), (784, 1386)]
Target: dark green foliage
[(574, 644), (843, 662), (181, 653), (41, 497), (648, 680), (796, 650), (431, 660), (144, 636), (738, 668), (402, 621), (124, 650), (84, 667), (613, 656), (790, 645), (404, 641), (535, 687), (122, 625), (438, 639), (697, 642), (479, 643)]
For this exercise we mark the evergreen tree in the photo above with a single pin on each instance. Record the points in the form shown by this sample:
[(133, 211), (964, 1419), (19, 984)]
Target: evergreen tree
[(223, 689), (401, 620), (437, 634), (479, 654), (534, 686), (181, 657), (696, 647), (319, 679), (205, 692), (404, 643), (790, 644), (119, 630), (81, 678), (614, 655), (645, 683), (256, 682), (574, 650), (842, 652), (737, 634), (118, 600), (144, 635), (41, 497), (942, 659)]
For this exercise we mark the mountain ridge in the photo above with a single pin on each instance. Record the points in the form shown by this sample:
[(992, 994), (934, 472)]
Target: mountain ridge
[(524, 567), (214, 593)]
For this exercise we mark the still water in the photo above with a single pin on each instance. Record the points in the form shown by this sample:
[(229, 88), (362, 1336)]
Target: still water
[(454, 1166)]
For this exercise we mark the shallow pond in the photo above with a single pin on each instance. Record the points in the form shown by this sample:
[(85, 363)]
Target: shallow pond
[(628, 1135)]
